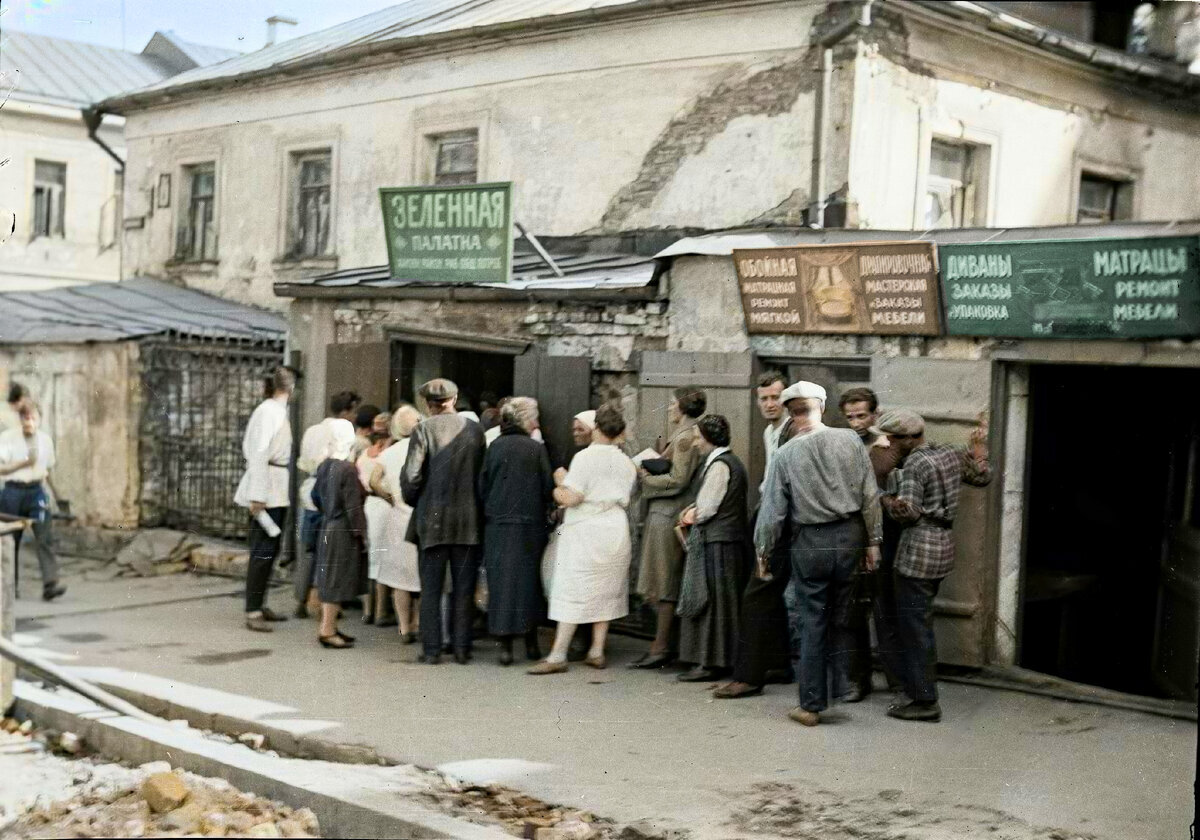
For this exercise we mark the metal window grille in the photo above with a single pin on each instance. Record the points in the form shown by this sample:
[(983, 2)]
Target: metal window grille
[(49, 198), (457, 158), (198, 397), (197, 239), (312, 179)]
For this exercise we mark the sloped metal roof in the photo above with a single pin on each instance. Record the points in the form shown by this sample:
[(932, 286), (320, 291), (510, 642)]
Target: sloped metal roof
[(202, 55), (582, 272), (410, 19), (99, 312), (64, 72)]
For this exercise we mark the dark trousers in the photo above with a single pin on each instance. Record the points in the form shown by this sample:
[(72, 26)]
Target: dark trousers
[(914, 613), (824, 560), (263, 551), (463, 561), (305, 571), (862, 602), (764, 637), (887, 628), (31, 501)]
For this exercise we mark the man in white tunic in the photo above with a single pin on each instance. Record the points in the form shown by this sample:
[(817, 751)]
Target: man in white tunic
[(26, 458), (263, 489)]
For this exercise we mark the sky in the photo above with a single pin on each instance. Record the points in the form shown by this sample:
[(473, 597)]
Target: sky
[(129, 24)]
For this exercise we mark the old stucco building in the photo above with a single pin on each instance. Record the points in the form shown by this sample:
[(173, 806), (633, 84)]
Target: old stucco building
[(626, 126)]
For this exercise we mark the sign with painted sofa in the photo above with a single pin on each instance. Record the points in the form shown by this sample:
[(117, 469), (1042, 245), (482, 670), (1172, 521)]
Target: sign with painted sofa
[(453, 234), (1079, 288), (874, 288)]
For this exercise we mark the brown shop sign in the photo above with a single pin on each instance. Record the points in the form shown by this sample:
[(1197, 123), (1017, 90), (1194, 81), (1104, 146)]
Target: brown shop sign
[(879, 288)]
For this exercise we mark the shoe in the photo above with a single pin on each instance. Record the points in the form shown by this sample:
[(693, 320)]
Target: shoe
[(335, 641), (900, 699), (546, 667), (390, 621), (854, 695), (427, 659), (259, 625), (597, 662), (779, 676), (344, 636), (408, 638), (697, 674), (368, 618), (271, 615), (506, 658), (462, 657), (653, 660), (53, 590), (301, 611), (735, 690), (804, 717), (928, 712)]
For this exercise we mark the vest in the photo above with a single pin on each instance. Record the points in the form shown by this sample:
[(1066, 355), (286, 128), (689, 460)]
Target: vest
[(731, 523)]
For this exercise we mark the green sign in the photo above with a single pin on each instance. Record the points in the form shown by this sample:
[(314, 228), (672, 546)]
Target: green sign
[(460, 234), (1079, 288)]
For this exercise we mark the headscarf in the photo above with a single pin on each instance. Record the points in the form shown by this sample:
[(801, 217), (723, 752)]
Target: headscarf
[(341, 439), (587, 418)]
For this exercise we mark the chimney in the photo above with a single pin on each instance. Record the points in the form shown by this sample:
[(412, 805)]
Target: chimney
[(272, 21)]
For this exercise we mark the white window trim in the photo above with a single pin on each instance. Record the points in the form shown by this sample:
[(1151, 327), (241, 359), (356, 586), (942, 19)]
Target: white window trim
[(31, 180), (183, 187), (955, 131), (1084, 165), (424, 156), (284, 154)]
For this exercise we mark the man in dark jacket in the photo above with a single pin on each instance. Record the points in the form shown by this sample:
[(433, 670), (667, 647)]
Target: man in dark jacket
[(439, 482)]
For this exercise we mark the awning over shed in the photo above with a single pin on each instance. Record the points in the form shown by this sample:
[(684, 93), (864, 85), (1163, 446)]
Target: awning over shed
[(128, 310)]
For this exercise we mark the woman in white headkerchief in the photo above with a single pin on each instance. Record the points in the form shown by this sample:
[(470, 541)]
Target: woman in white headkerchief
[(582, 426), (398, 557), (338, 494)]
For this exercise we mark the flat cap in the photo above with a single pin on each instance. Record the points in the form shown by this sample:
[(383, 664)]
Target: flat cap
[(900, 421), (438, 389), (802, 390)]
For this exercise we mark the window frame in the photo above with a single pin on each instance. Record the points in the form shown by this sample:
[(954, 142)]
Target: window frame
[(428, 127), (56, 226), (183, 219), (975, 190), (1125, 178), (295, 192)]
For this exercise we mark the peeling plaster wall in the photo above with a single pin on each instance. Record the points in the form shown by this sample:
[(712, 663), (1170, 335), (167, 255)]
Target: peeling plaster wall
[(677, 104)]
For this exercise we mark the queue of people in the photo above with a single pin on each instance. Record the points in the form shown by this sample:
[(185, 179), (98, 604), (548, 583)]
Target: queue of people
[(409, 512)]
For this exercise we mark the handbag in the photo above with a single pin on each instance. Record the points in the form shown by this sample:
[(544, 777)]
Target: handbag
[(693, 589)]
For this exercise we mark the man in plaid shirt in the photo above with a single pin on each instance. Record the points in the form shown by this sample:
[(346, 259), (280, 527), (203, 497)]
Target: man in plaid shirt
[(924, 503)]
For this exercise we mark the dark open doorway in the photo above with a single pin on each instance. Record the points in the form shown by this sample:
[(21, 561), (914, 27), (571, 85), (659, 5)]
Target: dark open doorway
[(477, 373), (1107, 537)]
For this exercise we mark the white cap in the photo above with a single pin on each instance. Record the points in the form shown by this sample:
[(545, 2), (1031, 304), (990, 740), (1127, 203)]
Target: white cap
[(803, 390)]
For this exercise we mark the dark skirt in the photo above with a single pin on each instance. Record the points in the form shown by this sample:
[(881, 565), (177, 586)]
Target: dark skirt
[(512, 555), (341, 573), (710, 639)]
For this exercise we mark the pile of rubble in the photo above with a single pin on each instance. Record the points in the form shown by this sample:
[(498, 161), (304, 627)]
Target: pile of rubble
[(157, 551)]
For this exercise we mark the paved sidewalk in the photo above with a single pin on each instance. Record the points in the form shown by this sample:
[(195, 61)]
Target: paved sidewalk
[(632, 745)]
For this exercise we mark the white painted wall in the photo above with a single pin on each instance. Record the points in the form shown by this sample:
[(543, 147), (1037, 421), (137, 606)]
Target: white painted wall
[(38, 132)]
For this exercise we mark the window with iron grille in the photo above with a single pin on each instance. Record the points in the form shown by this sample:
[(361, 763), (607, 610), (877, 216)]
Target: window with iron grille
[(1103, 199), (308, 226), (197, 234), (456, 158), (49, 198)]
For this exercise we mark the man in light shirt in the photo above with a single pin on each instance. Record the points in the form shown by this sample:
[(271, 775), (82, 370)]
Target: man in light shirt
[(26, 458), (267, 447)]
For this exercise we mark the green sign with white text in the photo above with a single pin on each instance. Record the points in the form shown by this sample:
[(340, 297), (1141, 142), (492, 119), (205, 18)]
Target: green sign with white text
[(1077, 288), (459, 234)]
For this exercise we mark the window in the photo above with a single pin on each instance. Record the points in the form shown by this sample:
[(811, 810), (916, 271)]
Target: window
[(49, 198), (456, 158), (308, 226), (955, 192), (197, 235), (1103, 200)]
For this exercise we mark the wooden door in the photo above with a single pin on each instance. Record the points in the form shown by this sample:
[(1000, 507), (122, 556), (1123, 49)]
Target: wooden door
[(562, 385), (1177, 630), (363, 368)]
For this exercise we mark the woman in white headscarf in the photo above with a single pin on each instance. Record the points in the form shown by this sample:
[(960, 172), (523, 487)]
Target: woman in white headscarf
[(582, 426), (341, 573), (397, 557)]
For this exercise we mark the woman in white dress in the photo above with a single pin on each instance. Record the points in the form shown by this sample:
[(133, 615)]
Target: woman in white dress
[(397, 558), (591, 575)]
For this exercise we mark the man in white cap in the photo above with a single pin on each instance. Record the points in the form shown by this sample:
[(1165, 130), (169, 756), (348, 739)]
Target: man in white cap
[(822, 484), (925, 503)]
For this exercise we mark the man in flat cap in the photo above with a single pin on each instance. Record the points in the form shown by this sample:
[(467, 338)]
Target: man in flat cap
[(924, 503), (439, 482), (822, 484)]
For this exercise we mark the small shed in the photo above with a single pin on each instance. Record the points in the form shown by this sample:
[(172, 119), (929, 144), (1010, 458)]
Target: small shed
[(146, 388)]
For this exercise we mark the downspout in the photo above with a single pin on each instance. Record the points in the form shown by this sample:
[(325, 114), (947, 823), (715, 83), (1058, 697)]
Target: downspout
[(824, 92), (92, 118)]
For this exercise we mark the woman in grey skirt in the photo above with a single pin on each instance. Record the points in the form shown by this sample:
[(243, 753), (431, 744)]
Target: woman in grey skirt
[(341, 573)]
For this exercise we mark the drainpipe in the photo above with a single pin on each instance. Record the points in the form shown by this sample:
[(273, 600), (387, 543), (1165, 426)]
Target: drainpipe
[(824, 91), (92, 118)]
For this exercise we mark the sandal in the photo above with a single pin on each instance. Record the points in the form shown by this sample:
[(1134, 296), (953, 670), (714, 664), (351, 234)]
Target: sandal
[(336, 641), (349, 639)]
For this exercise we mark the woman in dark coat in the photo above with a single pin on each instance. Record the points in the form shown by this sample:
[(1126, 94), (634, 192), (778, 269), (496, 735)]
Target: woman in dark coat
[(517, 487), (341, 573)]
